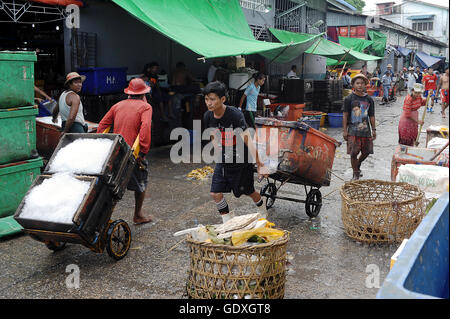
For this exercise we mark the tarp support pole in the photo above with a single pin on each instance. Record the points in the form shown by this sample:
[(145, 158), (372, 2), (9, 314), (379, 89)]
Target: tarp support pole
[(340, 75), (342, 58)]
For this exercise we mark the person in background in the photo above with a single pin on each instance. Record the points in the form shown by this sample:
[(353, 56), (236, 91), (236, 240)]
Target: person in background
[(212, 70), (70, 106), (150, 74), (401, 80), (251, 94), (38, 91), (182, 85), (389, 70), (429, 81), (130, 118), (181, 76), (346, 79), (409, 120), (364, 71), (292, 73), (386, 81), (359, 124), (158, 97), (377, 74), (419, 75), (437, 95), (411, 78), (443, 89)]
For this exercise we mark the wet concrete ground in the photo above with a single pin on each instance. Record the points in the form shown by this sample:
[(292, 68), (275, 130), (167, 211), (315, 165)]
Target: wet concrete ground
[(324, 262)]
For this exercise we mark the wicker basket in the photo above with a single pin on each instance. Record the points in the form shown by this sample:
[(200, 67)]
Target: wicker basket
[(381, 212), (229, 272)]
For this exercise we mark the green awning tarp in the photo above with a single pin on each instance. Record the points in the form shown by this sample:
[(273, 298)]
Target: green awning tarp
[(333, 62), (379, 42), (210, 28), (324, 47), (355, 43)]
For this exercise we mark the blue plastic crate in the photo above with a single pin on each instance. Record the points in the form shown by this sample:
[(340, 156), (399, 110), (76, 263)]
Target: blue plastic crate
[(101, 81), (335, 119), (422, 268)]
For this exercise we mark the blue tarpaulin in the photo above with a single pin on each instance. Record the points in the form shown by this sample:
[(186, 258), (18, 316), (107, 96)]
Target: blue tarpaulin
[(426, 60), (404, 51)]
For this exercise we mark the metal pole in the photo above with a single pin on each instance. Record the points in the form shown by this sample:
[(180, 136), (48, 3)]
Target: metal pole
[(423, 118), (341, 59)]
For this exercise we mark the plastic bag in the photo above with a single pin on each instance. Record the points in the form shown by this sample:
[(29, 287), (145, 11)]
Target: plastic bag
[(269, 234), (429, 178)]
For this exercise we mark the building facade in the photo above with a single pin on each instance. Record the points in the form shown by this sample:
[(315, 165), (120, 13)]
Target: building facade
[(429, 19)]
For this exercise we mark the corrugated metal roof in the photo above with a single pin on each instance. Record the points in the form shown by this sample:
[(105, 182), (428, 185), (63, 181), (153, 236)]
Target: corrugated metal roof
[(348, 5), (335, 19), (421, 17)]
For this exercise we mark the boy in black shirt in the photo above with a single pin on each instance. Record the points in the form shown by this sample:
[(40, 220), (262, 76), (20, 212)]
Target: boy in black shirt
[(359, 124), (234, 172)]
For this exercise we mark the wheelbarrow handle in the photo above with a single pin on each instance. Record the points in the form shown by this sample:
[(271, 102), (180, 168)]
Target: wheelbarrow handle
[(136, 147)]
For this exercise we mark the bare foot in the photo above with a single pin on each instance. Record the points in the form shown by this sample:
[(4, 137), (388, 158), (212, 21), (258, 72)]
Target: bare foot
[(142, 219)]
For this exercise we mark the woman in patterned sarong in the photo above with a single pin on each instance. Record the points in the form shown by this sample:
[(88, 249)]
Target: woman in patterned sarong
[(409, 120)]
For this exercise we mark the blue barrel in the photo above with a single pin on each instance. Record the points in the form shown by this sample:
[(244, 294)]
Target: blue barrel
[(335, 119)]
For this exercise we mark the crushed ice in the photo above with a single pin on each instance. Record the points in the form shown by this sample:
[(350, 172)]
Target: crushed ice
[(56, 199)]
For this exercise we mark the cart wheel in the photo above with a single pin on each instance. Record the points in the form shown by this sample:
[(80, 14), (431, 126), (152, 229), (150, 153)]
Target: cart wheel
[(269, 191), (55, 245), (118, 239), (313, 203)]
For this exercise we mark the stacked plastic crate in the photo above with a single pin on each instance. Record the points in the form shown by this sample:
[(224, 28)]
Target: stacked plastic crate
[(19, 161)]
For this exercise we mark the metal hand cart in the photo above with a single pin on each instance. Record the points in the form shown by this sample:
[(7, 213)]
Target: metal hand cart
[(304, 157), (92, 226)]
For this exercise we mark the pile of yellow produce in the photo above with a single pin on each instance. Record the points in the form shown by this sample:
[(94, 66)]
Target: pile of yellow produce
[(200, 173), (246, 230)]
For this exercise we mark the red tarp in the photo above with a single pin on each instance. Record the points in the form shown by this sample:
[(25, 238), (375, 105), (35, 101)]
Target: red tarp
[(60, 2)]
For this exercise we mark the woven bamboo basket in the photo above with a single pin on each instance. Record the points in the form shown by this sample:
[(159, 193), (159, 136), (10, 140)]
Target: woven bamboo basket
[(233, 272), (376, 211)]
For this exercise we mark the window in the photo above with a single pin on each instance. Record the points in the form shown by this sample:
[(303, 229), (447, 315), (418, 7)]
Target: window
[(257, 5), (422, 26)]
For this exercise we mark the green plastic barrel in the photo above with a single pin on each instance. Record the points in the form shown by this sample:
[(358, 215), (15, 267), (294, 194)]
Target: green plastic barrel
[(16, 78), (17, 134), (15, 180)]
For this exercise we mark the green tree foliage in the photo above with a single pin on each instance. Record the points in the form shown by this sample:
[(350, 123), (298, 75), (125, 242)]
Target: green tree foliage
[(358, 4)]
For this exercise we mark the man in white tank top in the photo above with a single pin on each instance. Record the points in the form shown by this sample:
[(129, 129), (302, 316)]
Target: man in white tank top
[(70, 106)]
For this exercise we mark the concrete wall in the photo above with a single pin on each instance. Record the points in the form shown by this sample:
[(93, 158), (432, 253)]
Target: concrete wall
[(123, 41), (256, 17)]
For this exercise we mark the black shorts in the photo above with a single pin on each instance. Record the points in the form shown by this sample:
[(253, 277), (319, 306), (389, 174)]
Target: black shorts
[(238, 178), (250, 118), (139, 178)]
